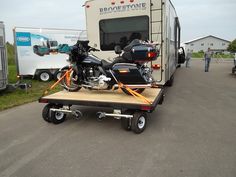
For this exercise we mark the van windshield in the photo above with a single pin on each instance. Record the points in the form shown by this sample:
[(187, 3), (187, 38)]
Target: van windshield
[(122, 31)]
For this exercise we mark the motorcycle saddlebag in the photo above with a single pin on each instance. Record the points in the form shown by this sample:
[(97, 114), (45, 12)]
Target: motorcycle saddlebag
[(127, 73)]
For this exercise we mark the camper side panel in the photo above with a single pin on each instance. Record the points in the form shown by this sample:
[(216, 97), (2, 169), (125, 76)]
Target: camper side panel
[(170, 57)]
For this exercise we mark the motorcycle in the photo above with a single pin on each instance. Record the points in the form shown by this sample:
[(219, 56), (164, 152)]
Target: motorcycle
[(90, 72)]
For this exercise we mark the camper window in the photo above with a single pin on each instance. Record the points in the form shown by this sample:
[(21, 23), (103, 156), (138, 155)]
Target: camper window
[(122, 31)]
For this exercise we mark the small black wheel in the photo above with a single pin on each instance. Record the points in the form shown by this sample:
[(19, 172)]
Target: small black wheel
[(57, 117), (45, 112), (45, 76), (161, 100), (138, 90), (139, 122), (233, 70), (170, 82), (125, 122)]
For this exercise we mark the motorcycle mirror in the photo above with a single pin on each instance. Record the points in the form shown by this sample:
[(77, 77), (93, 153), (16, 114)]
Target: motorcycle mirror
[(118, 49)]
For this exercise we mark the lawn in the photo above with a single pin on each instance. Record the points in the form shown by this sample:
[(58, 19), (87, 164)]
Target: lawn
[(18, 97), (223, 56)]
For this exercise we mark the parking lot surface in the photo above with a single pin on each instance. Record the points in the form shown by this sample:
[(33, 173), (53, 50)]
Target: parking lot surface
[(193, 134)]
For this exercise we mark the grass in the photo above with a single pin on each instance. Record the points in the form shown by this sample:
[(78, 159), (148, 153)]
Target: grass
[(18, 97), (201, 55)]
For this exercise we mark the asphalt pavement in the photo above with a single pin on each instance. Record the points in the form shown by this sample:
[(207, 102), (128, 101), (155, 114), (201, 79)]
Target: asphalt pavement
[(193, 134)]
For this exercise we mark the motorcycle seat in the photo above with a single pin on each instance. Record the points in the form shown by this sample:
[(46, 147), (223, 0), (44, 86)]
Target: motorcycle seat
[(106, 64)]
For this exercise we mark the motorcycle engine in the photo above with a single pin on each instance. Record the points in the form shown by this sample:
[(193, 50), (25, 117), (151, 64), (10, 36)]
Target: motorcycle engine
[(102, 82), (97, 80)]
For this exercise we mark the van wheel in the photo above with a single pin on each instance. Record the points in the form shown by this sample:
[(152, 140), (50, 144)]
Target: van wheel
[(139, 122), (138, 90), (44, 76), (170, 82), (57, 75)]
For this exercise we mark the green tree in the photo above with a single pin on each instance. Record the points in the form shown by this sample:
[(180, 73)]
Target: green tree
[(10, 53), (232, 46)]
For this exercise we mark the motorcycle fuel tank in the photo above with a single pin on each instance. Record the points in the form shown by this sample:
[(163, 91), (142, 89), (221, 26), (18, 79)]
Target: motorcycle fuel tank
[(92, 60), (128, 73)]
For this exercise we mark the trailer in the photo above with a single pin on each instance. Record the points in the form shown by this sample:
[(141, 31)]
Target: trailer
[(131, 111), (31, 43), (3, 59), (111, 23)]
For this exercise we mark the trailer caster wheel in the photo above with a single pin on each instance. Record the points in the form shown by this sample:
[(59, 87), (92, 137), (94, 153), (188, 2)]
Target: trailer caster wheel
[(170, 82), (58, 117), (234, 70), (126, 123), (45, 112), (139, 122)]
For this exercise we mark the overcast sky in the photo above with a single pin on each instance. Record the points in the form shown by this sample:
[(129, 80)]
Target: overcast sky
[(197, 17)]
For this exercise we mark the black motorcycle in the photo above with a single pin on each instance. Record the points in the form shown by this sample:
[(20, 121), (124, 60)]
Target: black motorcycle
[(130, 68)]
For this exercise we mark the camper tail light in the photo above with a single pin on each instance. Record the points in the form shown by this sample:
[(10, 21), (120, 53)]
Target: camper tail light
[(131, 0), (156, 66), (122, 2)]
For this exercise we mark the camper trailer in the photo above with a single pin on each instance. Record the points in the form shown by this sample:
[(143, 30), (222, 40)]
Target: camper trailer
[(111, 23), (117, 22), (3, 59), (36, 54)]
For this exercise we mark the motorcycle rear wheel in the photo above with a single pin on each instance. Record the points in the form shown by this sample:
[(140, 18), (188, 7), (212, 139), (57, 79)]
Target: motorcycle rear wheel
[(138, 90)]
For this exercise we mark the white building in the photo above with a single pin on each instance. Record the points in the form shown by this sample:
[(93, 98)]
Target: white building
[(202, 44)]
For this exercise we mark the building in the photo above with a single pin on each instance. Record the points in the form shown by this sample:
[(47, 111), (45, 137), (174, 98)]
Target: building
[(202, 44)]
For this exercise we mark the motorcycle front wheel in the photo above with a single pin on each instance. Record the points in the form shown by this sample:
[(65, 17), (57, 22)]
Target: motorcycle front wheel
[(71, 81)]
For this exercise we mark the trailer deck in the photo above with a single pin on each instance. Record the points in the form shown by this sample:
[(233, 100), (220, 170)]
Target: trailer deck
[(104, 98), (131, 110)]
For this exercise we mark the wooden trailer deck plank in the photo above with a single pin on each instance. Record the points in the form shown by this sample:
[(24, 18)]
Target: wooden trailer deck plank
[(104, 96)]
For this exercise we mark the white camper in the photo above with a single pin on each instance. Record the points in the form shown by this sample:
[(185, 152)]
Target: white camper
[(3, 59), (117, 22), (31, 44)]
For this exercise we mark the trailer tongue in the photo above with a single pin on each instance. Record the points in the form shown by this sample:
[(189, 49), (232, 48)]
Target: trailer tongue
[(130, 110)]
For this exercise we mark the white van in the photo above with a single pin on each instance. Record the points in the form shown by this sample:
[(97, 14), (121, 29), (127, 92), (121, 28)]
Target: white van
[(29, 42)]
